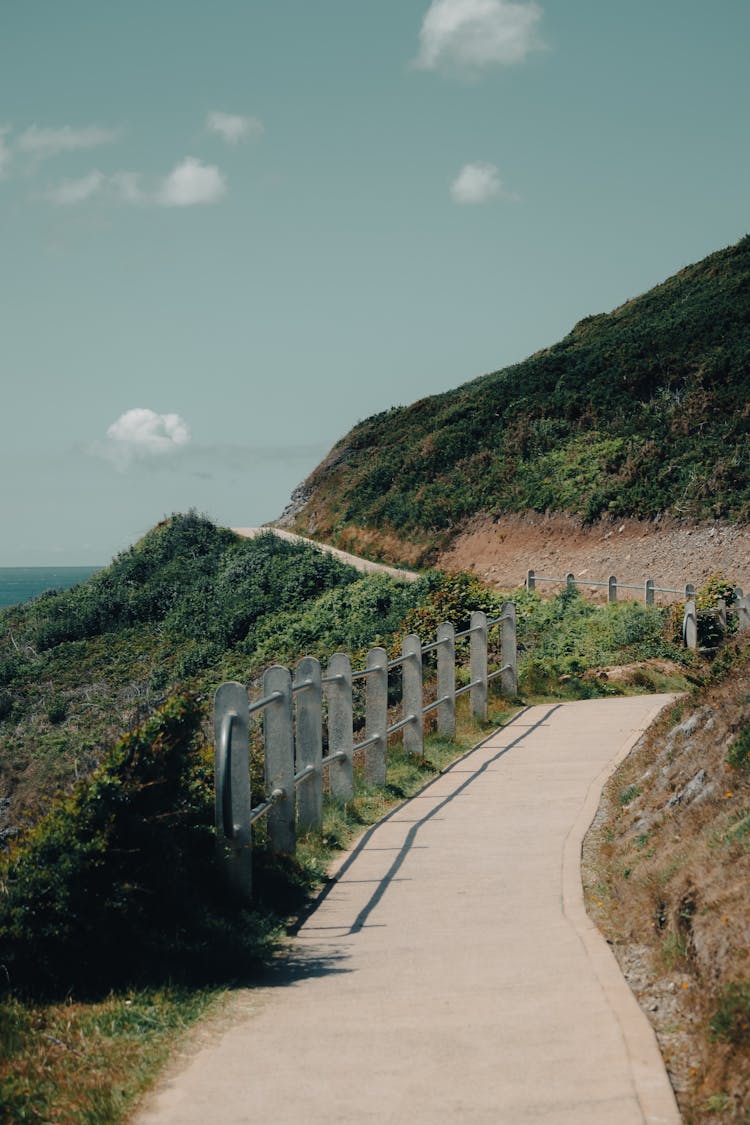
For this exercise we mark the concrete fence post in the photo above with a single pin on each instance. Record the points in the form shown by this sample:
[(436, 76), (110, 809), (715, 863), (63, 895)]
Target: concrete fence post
[(509, 650), (232, 789), (478, 665), (530, 580), (340, 736), (689, 591), (649, 591), (690, 626), (738, 593), (612, 588), (446, 679), (411, 680), (570, 581), (309, 749), (743, 614), (376, 713), (278, 737), (721, 613)]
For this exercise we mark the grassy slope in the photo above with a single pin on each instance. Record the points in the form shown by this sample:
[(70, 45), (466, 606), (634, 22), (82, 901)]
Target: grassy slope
[(667, 884), (189, 605), (638, 411)]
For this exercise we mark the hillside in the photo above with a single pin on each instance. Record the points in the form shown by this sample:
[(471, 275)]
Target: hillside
[(637, 412), (186, 607)]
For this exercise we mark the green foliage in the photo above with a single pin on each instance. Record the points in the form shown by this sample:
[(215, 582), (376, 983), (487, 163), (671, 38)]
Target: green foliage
[(730, 1022), (567, 635), (629, 794), (636, 412), (738, 755), (117, 883)]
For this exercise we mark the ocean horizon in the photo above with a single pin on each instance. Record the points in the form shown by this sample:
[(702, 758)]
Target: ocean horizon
[(21, 583)]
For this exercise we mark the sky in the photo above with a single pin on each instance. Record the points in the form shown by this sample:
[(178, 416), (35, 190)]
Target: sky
[(231, 230)]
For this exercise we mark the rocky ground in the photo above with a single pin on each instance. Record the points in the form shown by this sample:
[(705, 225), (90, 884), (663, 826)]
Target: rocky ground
[(669, 551), (665, 867)]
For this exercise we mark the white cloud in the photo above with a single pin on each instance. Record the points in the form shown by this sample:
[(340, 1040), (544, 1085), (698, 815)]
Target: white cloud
[(50, 142), (191, 182), (5, 153), (233, 127), (140, 434), (469, 35), (70, 192), (188, 183), (479, 183)]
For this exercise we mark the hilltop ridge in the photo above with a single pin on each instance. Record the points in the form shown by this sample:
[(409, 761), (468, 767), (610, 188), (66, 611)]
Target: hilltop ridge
[(635, 413)]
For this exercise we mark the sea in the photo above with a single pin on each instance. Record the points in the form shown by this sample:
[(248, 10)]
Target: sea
[(20, 583)]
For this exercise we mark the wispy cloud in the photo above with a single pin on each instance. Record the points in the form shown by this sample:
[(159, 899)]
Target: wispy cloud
[(69, 192), (142, 434), (469, 35), (5, 153), (191, 182), (41, 142), (233, 127), (479, 183)]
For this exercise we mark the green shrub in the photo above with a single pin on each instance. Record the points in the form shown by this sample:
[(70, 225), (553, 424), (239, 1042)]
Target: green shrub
[(738, 755), (117, 883), (730, 1022)]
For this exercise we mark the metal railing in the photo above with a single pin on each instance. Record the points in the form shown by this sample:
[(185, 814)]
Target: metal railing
[(294, 721), (648, 588), (740, 609)]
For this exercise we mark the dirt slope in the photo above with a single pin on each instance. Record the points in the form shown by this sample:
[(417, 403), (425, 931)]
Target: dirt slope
[(669, 551)]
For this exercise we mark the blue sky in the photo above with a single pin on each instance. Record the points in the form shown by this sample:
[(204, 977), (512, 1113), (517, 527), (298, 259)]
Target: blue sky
[(229, 231)]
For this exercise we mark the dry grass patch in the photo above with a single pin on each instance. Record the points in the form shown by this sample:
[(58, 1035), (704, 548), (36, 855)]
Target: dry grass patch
[(666, 872)]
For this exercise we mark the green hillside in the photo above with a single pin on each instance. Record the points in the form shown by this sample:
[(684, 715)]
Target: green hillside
[(639, 411), (185, 608)]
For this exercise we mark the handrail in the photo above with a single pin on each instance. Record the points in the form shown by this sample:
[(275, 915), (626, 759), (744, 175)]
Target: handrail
[(293, 730), (266, 701), (224, 772)]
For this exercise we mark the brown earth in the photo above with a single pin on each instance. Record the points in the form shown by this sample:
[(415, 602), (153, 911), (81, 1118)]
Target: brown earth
[(666, 867), (671, 552)]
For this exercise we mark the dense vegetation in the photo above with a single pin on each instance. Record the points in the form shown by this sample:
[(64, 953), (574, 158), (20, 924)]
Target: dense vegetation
[(636, 412), (189, 605)]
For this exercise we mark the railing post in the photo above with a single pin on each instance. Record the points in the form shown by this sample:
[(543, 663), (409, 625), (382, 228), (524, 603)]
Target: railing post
[(232, 788), (721, 613), (689, 591), (612, 588), (530, 580), (738, 593), (411, 679), (278, 737), (690, 626), (340, 740), (570, 581), (446, 679), (649, 591), (309, 750), (478, 665), (376, 715), (509, 650), (743, 614)]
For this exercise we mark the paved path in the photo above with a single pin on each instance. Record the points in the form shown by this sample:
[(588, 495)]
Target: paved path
[(366, 566), (451, 973)]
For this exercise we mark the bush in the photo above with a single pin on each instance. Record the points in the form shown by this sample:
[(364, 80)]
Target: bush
[(738, 755), (118, 883), (730, 1022)]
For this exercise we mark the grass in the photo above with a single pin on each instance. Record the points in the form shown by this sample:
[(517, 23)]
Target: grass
[(89, 1062)]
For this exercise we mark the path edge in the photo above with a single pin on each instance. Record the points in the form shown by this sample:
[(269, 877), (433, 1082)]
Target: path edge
[(652, 1086)]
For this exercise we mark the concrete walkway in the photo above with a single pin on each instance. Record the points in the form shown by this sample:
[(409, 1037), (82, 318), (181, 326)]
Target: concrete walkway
[(451, 972), (365, 566)]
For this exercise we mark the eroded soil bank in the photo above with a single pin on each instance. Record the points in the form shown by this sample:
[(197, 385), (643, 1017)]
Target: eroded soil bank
[(666, 866), (672, 553)]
